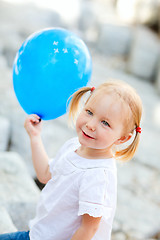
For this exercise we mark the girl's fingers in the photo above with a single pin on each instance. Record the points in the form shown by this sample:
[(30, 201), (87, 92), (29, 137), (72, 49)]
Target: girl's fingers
[(36, 116), (34, 119)]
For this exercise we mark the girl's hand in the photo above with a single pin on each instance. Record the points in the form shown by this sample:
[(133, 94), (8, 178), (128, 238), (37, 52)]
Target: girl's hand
[(33, 125)]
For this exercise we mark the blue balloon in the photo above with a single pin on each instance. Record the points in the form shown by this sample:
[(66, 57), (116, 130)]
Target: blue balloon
[(48, 68)]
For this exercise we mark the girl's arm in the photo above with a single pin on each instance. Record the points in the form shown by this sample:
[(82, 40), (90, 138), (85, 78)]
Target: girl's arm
[(33, 126), (87, 229)]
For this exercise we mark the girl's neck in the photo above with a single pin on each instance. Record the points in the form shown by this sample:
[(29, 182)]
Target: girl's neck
[(92, 153)]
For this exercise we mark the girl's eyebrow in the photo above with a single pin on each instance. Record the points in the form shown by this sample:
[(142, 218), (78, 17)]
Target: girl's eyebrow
[(90, 108)]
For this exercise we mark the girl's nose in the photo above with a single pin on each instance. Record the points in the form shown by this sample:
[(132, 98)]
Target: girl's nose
[(91, 125)]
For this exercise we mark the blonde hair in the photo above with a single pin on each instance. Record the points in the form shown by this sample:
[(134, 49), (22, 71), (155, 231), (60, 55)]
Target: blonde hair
[(131, 100)]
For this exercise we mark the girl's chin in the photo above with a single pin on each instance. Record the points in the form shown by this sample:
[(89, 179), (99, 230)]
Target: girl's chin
[(86, 144)]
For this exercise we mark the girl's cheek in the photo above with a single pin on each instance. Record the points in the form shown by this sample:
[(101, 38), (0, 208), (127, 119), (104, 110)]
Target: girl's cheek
[(78, 123)]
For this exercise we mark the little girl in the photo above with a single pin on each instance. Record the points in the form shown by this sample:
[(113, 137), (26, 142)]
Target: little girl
[(79, 199)]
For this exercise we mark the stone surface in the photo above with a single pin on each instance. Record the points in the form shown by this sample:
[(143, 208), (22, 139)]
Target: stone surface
[(4, 133), (144, 54), (88, 18), (6, 224), (139, 178), (88, 22), (138, 11), (158, 78), (114, 39), (119, 236), (18, 192), (137, 214)]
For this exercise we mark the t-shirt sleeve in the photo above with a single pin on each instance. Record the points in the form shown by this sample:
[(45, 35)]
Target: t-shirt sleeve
[(93, 194), (51, 164)]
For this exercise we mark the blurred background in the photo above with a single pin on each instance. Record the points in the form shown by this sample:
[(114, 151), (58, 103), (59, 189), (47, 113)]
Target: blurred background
[(123, 37)]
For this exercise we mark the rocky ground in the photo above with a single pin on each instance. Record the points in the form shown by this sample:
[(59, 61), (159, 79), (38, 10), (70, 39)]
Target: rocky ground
[(138, 210)]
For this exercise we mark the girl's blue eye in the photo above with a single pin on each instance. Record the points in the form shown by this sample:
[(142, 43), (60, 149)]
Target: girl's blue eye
[(105, 123), (89, 112)]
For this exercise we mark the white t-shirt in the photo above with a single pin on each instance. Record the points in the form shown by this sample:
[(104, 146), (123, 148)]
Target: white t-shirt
[(78, 186)]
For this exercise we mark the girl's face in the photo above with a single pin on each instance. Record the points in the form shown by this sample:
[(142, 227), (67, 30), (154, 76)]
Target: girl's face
[(100, 124)]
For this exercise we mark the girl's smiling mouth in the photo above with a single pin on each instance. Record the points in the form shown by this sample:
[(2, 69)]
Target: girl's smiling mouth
[(87, 136)]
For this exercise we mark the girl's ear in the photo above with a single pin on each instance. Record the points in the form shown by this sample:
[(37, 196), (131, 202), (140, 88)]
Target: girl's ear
[(123, 139)]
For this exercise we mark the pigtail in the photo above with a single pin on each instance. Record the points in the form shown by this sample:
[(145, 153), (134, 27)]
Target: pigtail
[(128, 153), (75, 101), (135, 104)]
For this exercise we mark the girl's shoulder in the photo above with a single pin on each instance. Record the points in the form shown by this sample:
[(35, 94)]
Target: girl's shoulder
[(72, 143), (96, 174)]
